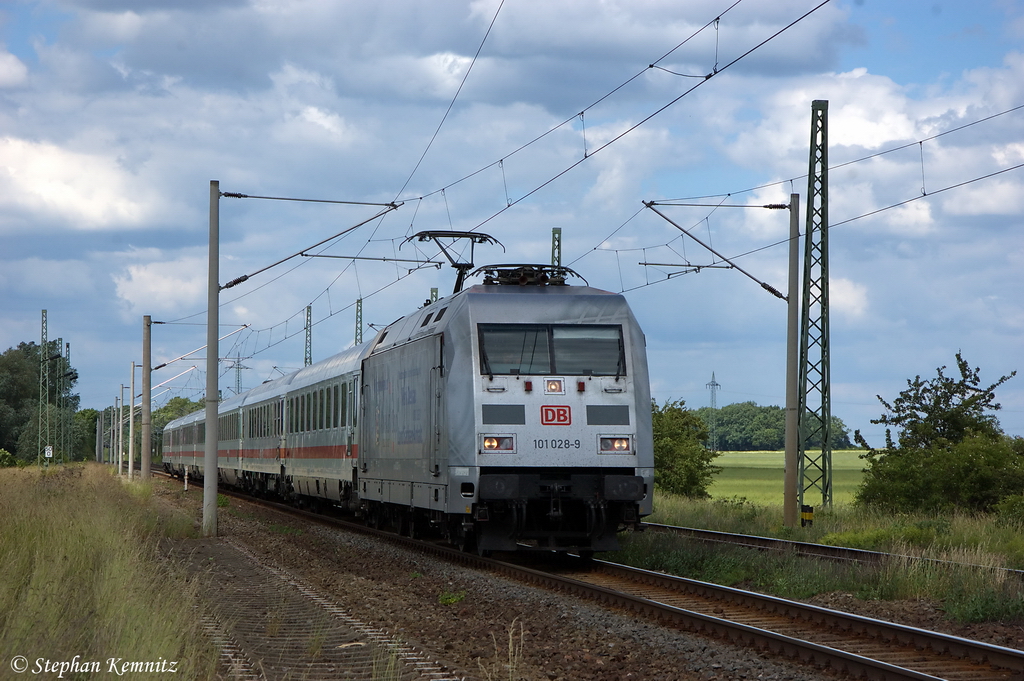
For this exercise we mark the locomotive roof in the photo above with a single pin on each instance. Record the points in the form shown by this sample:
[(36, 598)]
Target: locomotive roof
[(578, 304)]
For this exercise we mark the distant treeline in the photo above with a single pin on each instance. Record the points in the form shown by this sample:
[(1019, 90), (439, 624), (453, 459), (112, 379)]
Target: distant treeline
[(745, 427)]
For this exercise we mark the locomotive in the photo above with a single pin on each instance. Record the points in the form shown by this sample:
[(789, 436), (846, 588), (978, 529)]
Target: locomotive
[(512, 415)]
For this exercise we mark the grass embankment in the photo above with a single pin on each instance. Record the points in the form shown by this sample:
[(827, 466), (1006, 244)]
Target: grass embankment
[(747, 499), (81, 576)]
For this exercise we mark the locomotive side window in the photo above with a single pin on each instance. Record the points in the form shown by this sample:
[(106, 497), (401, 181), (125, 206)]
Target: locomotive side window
[(539, 349)]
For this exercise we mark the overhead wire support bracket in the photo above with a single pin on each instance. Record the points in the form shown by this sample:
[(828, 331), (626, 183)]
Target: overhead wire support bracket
[(422, 263), (238, 195), (765, 285), (245, 277)]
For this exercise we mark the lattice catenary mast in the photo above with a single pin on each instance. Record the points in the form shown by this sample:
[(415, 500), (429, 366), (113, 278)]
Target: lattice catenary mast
[(309, 335), (44, 439), (359, 321), (815, 405), (713, 420)]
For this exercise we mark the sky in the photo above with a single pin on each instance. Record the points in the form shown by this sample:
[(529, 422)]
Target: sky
[(514, 118)]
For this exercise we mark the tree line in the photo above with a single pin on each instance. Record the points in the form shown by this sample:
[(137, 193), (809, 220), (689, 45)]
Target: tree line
[(747, 427), (950, 452), (20, 408)]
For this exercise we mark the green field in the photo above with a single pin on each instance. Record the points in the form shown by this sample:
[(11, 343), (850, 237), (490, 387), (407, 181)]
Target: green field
[(758, 476)]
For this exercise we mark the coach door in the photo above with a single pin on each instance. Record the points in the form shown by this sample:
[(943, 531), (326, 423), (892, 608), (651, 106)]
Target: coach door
[(280, 419)]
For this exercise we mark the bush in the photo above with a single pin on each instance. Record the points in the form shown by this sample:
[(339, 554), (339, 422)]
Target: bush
[(7, 459), (682, 464), (975, 474), (1010, 511)]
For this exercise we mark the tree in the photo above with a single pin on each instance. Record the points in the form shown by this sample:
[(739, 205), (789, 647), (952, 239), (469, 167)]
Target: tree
[(950, 452), (942, 410), (84, 435), (682, 465), (745, 426), (19, 395), (19, 392)]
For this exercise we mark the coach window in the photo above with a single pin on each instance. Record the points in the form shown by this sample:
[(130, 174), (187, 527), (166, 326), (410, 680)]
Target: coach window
[(306, 419), (323, 408), (329, 408), (333, 417), (317, 409), (344, 405)]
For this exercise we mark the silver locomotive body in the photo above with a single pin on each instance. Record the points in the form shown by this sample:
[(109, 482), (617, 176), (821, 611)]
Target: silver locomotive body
[(505, 416)]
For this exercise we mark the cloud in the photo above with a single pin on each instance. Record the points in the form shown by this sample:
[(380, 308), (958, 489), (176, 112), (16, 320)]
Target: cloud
[(848, 298), (12, 71), (83, 191), (162, 286)]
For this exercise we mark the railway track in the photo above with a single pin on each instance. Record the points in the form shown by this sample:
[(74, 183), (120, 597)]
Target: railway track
[(838, 553), (858, 646)]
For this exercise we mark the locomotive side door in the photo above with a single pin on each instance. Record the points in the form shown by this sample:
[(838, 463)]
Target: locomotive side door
[(436, 409)]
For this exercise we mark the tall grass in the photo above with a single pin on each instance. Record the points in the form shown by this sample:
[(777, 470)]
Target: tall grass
[(969, 588), (81, 575)]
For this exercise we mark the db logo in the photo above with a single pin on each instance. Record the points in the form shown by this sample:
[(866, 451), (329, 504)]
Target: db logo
[(555, 416)]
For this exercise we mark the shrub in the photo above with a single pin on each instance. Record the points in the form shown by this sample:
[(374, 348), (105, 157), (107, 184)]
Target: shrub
[(974, 474)]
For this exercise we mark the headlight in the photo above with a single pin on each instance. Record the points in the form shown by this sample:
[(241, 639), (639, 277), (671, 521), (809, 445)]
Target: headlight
[(554, 386), (499, 443), (615, 445)]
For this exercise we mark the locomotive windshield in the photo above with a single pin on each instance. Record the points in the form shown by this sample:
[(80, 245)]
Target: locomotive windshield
[(545, 349)]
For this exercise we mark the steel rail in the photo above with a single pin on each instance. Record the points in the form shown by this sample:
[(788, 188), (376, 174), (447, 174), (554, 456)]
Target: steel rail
[(811, 549)]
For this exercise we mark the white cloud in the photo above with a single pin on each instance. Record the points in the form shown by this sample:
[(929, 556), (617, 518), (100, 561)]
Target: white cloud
[(848, 298), (84, 191), (163, 287), (12, 71)]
